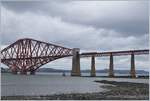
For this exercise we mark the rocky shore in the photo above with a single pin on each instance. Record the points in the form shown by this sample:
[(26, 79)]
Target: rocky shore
[(115, 91)]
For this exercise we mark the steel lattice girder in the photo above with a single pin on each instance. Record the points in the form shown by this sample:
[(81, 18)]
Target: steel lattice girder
[(30, 54), (116, 53)]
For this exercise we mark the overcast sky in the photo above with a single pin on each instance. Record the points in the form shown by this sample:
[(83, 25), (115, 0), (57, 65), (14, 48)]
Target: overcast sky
[(88, 25)]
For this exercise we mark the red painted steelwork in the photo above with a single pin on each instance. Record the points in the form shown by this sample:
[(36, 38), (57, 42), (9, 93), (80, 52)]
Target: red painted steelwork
[(27, 55)]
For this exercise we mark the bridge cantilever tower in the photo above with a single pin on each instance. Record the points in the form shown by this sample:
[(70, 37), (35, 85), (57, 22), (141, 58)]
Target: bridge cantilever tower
[(27, 55)]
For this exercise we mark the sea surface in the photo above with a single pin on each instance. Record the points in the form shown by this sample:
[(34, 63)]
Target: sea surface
[(53, 83)]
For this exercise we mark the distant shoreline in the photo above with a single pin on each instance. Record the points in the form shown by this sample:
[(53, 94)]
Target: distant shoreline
[(141, 76), (126, 76), (121, 91), (51, 70)]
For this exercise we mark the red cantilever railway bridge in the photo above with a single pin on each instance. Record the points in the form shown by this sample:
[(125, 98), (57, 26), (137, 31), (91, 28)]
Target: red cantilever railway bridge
[(27, 55)]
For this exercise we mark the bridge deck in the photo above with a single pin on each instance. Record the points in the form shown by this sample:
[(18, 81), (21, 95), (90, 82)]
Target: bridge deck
[(115, 53)]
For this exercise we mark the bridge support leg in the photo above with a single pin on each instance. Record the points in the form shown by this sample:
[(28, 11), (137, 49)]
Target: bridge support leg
[(23, 71), (14, 71), (76, 63), (32, 72), (111, 66), (132, 71), (93, 66)]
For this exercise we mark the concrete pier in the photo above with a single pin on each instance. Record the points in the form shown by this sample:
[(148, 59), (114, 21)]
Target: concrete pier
[(111, 66), (32, 72), (93, 73), (132, 71), (14, 71), (23, 72), (76, 63)]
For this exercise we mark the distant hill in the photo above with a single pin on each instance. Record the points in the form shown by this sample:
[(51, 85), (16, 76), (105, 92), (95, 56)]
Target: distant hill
[(88, 71), (4, 70), (51, 70)]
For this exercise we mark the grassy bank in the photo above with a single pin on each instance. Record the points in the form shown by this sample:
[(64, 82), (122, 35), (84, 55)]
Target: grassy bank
[(116, 91)]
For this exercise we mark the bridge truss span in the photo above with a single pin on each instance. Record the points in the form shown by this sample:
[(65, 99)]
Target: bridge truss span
[(132, 53), (116, 53), (28, 55)]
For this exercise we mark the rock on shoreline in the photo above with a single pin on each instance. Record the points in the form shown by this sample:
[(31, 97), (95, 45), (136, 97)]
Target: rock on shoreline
[(116, 91)]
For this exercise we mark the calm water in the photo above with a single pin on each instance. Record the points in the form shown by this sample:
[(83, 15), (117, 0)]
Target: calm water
[(52, 83)]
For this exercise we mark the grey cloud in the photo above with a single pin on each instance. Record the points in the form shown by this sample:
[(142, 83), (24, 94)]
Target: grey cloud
[(54, 29), (125, 17), (78, 25), (22, 6)]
